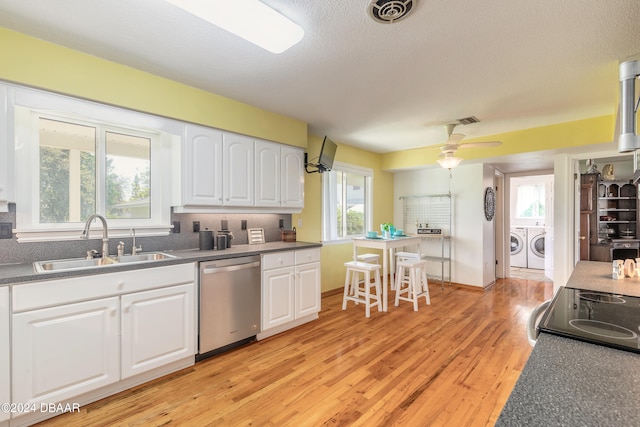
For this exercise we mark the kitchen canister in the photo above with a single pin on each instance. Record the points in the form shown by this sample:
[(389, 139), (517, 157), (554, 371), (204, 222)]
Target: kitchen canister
[(228, 235), (206, 240), (221, 241)]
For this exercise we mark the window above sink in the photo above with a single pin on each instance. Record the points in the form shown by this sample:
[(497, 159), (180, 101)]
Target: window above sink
[(75, 158)]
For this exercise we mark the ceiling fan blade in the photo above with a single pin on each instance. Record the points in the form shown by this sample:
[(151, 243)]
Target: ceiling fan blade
[(483, 144), (455, 138)]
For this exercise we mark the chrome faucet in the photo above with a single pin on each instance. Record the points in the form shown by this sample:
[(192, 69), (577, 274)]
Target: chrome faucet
[(105, 233), (134, 249)]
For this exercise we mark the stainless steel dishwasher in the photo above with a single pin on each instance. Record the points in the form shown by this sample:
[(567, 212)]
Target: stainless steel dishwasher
[(229, 298)]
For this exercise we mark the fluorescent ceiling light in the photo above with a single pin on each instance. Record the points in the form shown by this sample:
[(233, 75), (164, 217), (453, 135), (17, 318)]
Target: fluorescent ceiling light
[(252, 20), (449, 161)]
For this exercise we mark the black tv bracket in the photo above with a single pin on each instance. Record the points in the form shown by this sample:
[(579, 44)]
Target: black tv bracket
[(319, 167)]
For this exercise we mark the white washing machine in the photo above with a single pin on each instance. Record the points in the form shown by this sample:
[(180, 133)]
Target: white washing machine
[(518, 247), (535, 252)]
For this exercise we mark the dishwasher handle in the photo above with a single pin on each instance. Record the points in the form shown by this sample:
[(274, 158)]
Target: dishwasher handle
[(213, 270)]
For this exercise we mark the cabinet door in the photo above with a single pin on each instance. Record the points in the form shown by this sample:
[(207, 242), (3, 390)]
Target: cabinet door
[(202, 167), (267, 180), (6, 154), (158, 327), (277, 297), (307, 289), (65, 351), (292, 177), (239, 173), (5, 345)]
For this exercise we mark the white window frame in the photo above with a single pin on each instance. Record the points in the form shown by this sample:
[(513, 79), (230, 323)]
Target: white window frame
[(27, 105), (329, 199)]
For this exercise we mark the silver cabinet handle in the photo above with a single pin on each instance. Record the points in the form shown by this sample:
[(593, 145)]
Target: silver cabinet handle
[(212, 270)]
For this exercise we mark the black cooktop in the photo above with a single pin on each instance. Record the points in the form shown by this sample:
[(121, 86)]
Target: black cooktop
[(597, 317)]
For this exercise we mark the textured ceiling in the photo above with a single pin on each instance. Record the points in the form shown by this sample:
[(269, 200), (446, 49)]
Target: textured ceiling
[(514, 64)]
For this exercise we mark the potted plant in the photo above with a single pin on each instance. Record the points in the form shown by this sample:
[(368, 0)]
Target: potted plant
[(386, 229)]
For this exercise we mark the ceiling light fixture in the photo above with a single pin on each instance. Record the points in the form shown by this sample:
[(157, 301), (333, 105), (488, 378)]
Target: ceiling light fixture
[(449, 161), (251, 20)]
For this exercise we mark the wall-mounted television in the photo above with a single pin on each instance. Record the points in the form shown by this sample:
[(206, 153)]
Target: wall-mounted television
[(327, 154)]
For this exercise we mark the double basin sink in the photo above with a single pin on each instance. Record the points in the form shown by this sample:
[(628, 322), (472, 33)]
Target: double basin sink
[(84, 263)]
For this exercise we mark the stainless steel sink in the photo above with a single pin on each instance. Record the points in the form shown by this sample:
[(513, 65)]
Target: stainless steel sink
[(83, 263)]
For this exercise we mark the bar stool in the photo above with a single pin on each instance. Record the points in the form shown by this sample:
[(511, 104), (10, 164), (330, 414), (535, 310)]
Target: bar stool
[(368, 258), (403, 256), (362, 294), (412, 274)]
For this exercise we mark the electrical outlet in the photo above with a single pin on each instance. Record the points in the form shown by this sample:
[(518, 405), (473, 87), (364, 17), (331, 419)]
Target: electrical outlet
[(299, 222), (281, 223), (196, 226), (243, 224), (224, 224), (5, 230), (176, 226)]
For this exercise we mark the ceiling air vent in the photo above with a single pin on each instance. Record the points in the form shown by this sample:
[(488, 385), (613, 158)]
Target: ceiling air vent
[(389, 11), (468, 120)]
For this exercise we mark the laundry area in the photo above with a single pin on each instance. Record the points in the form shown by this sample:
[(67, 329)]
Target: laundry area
[(531, 226)]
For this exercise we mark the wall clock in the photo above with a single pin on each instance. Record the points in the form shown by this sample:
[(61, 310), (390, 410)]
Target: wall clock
[(489, 203)]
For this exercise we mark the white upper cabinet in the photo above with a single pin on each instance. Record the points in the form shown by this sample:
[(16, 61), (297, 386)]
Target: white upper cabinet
[(6, 152), (267, 182), (237, 155), (202, 167), (226, 171), (292, 177)]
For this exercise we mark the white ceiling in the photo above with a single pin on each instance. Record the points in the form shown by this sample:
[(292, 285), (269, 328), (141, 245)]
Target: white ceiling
[(514, 64)]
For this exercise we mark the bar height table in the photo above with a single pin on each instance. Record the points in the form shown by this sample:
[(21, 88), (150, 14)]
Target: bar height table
[(387, 246)]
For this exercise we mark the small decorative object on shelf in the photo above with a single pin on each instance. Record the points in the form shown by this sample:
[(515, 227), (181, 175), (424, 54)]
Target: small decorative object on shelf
[(591, 166), (489, 203), (607, 172)]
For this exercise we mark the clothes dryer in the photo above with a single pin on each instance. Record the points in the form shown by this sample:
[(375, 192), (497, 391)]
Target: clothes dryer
[(535, 248), (518, 247)]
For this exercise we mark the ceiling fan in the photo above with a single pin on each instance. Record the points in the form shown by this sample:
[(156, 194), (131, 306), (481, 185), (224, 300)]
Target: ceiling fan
[(448, 159)]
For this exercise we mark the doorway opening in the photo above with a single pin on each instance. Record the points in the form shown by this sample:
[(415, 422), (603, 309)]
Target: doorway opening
[(531, 226)]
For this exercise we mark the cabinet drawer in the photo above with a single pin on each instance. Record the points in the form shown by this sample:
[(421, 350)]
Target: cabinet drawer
[(278, 260), (48, 293), (307, 255)]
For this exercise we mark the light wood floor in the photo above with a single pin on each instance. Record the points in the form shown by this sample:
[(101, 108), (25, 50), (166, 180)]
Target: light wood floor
[(453, 363)]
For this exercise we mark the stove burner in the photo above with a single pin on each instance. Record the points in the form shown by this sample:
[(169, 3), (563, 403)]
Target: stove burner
[(601, 297), (603, 329)]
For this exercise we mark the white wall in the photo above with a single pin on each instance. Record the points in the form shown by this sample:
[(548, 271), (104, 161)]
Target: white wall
[(467, 184), (488, 232)]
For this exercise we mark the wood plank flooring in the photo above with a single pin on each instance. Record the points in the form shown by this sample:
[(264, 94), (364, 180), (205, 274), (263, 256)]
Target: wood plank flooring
[(453, 363)]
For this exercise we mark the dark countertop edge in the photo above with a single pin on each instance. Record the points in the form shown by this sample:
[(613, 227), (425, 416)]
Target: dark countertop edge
[(20, 273)]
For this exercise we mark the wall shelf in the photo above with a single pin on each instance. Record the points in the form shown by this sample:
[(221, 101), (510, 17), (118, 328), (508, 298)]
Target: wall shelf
[(431, 211)]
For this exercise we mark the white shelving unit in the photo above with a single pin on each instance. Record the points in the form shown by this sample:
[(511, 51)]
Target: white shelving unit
[(431, 211)]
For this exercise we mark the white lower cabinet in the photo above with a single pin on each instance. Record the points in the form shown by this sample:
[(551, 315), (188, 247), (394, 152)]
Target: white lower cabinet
[(290, 289), (5, 367), (83, 338), (64, 351), (278, 289), (157, 328)]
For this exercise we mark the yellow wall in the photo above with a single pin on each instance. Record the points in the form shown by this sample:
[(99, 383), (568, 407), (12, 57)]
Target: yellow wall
[(578, 133), (335, 255), (33, 62)]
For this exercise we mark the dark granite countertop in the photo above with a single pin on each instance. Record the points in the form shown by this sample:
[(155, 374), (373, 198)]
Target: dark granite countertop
[(567, 382), (18, 273)]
